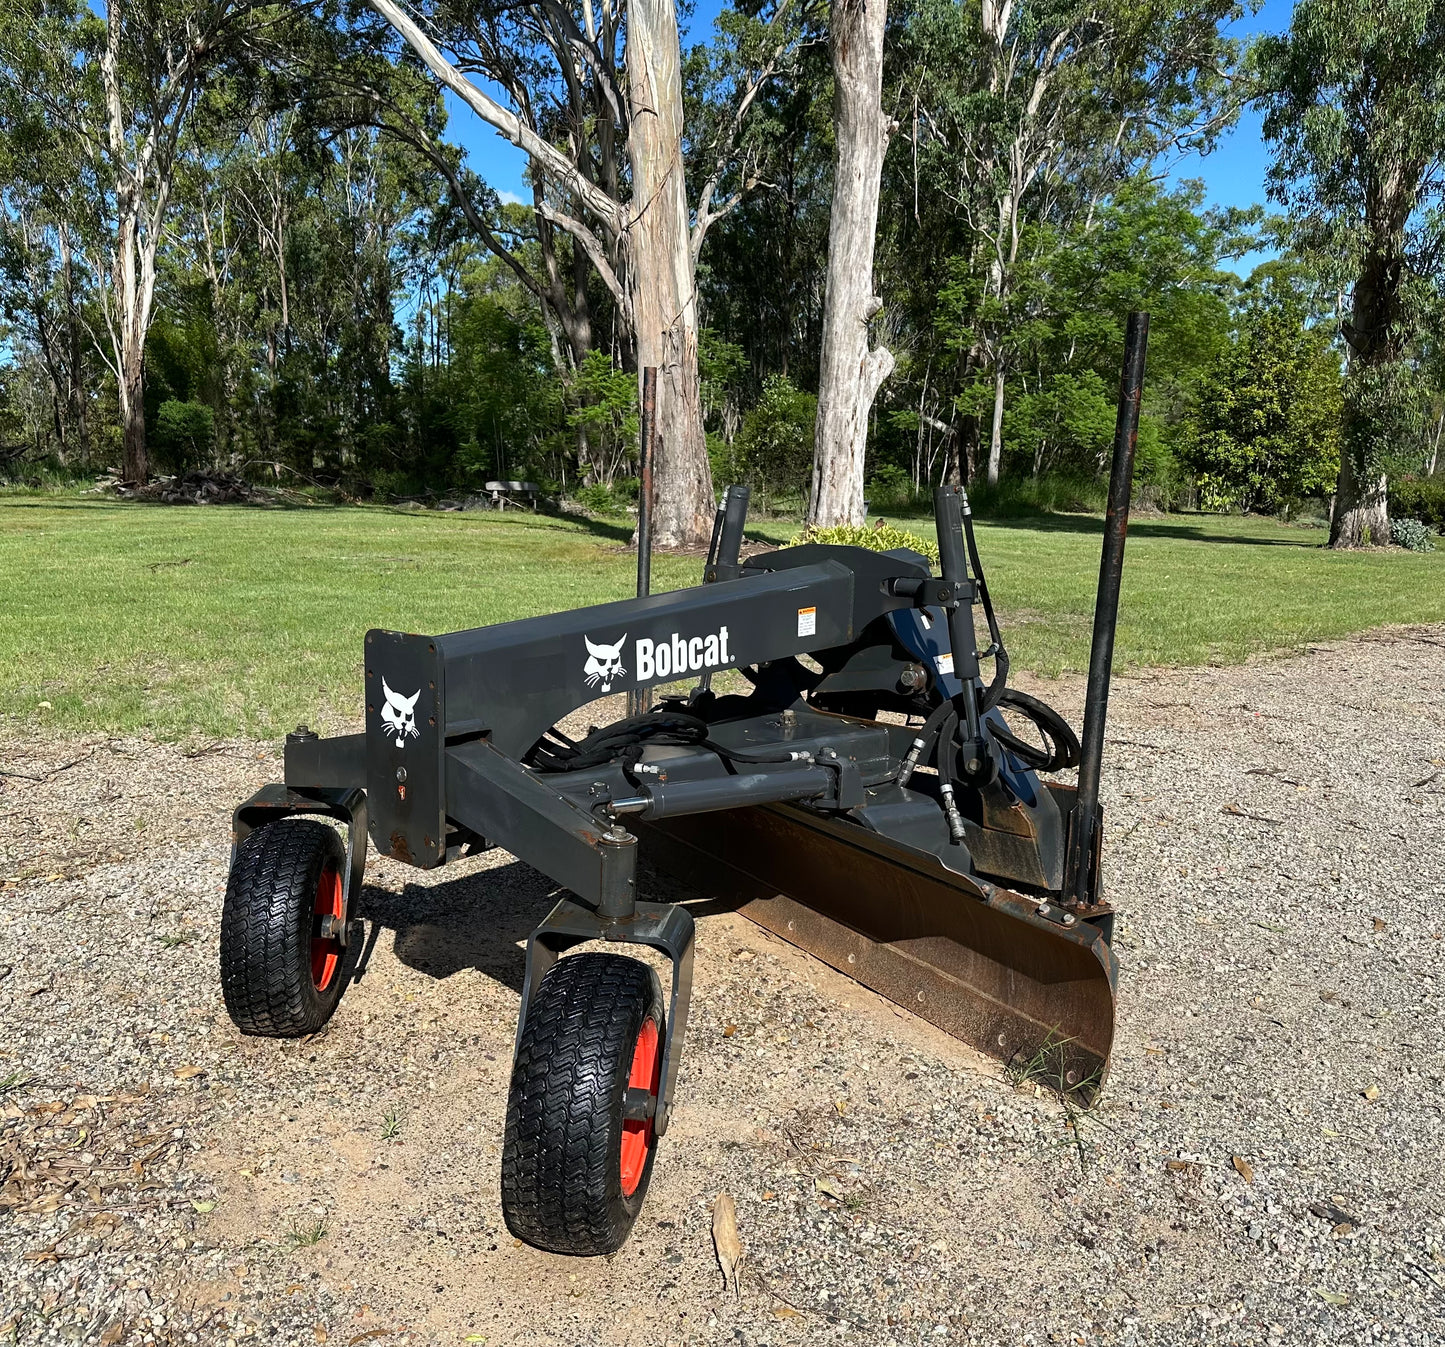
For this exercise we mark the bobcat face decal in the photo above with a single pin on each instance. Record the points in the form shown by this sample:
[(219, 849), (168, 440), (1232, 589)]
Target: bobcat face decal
[(399, 714), (604, 663)]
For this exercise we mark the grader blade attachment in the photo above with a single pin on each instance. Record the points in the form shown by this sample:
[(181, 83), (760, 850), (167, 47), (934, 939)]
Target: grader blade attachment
[(997, 970)]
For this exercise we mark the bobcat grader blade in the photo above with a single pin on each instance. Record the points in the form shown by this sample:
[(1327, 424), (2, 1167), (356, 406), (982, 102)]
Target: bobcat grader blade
[(998, 970), (867, 798)]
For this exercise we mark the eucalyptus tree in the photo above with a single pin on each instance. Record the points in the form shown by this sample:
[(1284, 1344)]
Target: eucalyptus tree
[(851, 368), (1355, 103), (1025, 111), (104, 100), (593, 93)]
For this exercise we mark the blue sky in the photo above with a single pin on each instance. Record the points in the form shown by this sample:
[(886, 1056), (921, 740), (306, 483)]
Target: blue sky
[(1233, 175)]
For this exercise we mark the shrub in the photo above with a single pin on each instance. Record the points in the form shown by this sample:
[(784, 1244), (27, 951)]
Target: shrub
[(891, 488), (1054, 493), (879, 537), (1421, 498), (597, 498), (775, 445), (1412, 534), (183, 436)]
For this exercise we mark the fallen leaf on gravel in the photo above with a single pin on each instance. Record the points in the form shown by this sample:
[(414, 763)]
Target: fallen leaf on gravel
[(785, 1312), (730, 1031), (204, 1207), (42, 1256), (1246, 1170), (769, 1195), (367, 1337), (1178, 1164), (186, 1072), (841, 1105), (725, 1239), (1342, 1229), (1371, 1092), (293, 1288), (319, 1333), (475, 1337), (113, 1334), (828, 1188), (1380, 924), (1332, 1297)]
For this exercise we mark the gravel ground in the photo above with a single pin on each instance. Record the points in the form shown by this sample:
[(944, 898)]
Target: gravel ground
[(1264, 1165)]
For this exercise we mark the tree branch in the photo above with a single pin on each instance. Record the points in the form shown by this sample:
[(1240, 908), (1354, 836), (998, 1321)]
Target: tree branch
[(494, 114)]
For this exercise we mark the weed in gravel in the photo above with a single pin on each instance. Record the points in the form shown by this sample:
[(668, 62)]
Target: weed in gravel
[(391, 1125), (1049, 1066), (13, 1081), (303, 1234)]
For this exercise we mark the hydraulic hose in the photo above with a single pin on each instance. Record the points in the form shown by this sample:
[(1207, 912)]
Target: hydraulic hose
[(995, 690)]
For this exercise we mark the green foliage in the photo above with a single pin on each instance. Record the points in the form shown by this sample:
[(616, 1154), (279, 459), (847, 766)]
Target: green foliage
[(184, 434), (774, 448), (1025, 497), (600, 498), (608, 414), (890, 488), (1266, 429), (1356, 109), (1420, 498), (879, 537), (1412, 535)]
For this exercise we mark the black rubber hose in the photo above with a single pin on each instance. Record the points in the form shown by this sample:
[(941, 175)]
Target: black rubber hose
[(995, 690), (1061, 743)]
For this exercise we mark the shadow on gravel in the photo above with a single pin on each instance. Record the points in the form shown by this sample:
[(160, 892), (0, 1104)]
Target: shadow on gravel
[(482, 920), (477, 921)]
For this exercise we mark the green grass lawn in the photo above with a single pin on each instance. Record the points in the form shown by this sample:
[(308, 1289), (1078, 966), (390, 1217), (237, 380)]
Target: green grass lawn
[(224, 620)]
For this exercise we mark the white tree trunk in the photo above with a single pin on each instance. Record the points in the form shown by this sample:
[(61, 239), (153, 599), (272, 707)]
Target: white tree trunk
[(995, 436), (851, 372), (661, 278)]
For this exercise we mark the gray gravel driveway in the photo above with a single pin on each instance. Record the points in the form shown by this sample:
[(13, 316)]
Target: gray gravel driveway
[(1265, 1165)]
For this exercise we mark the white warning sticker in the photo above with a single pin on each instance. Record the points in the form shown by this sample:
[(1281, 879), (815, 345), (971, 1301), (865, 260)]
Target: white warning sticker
[(944, 663), (807, 621)]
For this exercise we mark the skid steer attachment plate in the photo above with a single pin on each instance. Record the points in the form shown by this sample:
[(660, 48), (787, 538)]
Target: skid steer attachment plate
[(981, 962)]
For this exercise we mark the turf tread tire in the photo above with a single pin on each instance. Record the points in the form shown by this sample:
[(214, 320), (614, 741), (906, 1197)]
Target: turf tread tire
[(266, 926), (561, 1179)]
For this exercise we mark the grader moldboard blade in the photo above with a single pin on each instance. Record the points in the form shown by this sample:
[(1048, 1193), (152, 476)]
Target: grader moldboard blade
[(867, 800), (977, 960)]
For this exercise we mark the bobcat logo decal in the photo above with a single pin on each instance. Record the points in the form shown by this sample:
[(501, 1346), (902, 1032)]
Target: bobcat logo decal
[(399, 714), (604, 663)]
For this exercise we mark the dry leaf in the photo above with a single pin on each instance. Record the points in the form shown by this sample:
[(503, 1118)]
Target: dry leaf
[(186, 1072), (1342, 1229), (42, 1256), (725, 1240), (320, 1333), (1246, 1170), (1371, 1092), (113, 1334), (1178, 1164), (1380, 923), (294, 1288), (1331, 1297), (204, 1207), (841, 1105), (769, 1195), (367, 1337), (828, 1188), (730, 1031), (785, 1312)]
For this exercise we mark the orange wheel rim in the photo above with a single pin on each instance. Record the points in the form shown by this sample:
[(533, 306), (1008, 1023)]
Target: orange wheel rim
[(326, 953), (637, 1134)]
